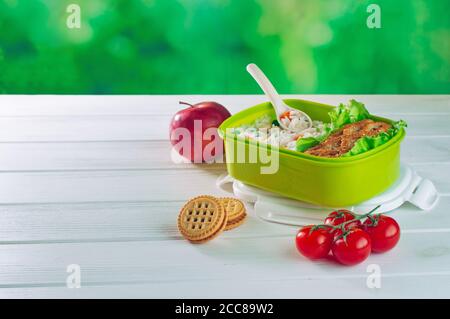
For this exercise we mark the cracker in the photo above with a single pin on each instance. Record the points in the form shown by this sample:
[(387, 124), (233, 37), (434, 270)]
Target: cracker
[(235, 211), (202, 218), (236, 223)]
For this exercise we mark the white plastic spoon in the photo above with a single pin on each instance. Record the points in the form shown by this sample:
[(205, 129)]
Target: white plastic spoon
[(278, 104)]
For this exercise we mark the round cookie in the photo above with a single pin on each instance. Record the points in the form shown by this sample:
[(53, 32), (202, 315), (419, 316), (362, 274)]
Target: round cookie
[(235, 224), (201, 219), (235, 211)]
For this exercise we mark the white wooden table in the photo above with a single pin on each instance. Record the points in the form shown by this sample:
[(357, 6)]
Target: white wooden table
[(88, 180)]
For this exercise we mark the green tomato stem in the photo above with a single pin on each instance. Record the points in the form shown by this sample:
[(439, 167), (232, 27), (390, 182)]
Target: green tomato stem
[(341, 226)]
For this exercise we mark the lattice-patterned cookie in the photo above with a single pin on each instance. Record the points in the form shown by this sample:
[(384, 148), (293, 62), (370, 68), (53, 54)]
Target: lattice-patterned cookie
[(235, 211), (201, 219)]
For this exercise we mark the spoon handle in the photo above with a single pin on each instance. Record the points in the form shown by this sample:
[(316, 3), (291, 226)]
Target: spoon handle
[(267, 87)]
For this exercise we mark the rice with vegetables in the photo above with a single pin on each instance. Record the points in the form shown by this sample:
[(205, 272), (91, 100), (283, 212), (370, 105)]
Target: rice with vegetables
[(266, 130)]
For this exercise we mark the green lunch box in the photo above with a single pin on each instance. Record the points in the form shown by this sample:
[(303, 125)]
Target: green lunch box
[(328, 182)]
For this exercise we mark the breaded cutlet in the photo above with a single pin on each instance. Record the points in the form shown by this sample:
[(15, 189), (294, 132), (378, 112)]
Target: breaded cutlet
[(342, 141)]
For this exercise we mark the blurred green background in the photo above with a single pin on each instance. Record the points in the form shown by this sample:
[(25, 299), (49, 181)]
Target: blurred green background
[(203, 46)]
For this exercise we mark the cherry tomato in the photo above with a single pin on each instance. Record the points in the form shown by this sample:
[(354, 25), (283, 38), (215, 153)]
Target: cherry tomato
[(338, 232), (341, 216), (384, 232), (352, 248), (314, 242)]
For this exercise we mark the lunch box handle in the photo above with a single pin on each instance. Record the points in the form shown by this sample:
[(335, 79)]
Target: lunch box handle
[(423, 194), (269, 209), (223, 180)]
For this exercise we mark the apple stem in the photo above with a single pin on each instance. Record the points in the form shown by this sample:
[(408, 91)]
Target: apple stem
[(185, 103)]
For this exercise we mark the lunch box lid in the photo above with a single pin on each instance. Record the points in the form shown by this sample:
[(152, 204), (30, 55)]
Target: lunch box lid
[(409, 187), (317, 111)]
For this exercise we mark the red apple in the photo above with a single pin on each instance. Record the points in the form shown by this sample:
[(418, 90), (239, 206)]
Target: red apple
[(195, 120)]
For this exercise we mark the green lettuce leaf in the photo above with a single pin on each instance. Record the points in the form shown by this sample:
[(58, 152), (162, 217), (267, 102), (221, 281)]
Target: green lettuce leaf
[(304, 144), (352, 112)]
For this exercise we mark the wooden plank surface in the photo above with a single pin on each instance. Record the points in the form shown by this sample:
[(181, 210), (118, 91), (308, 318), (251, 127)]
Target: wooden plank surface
[(154, 154), (64, 105), (151, 221), (137, 185), (149, 127), (221, 259), (406, 286)]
